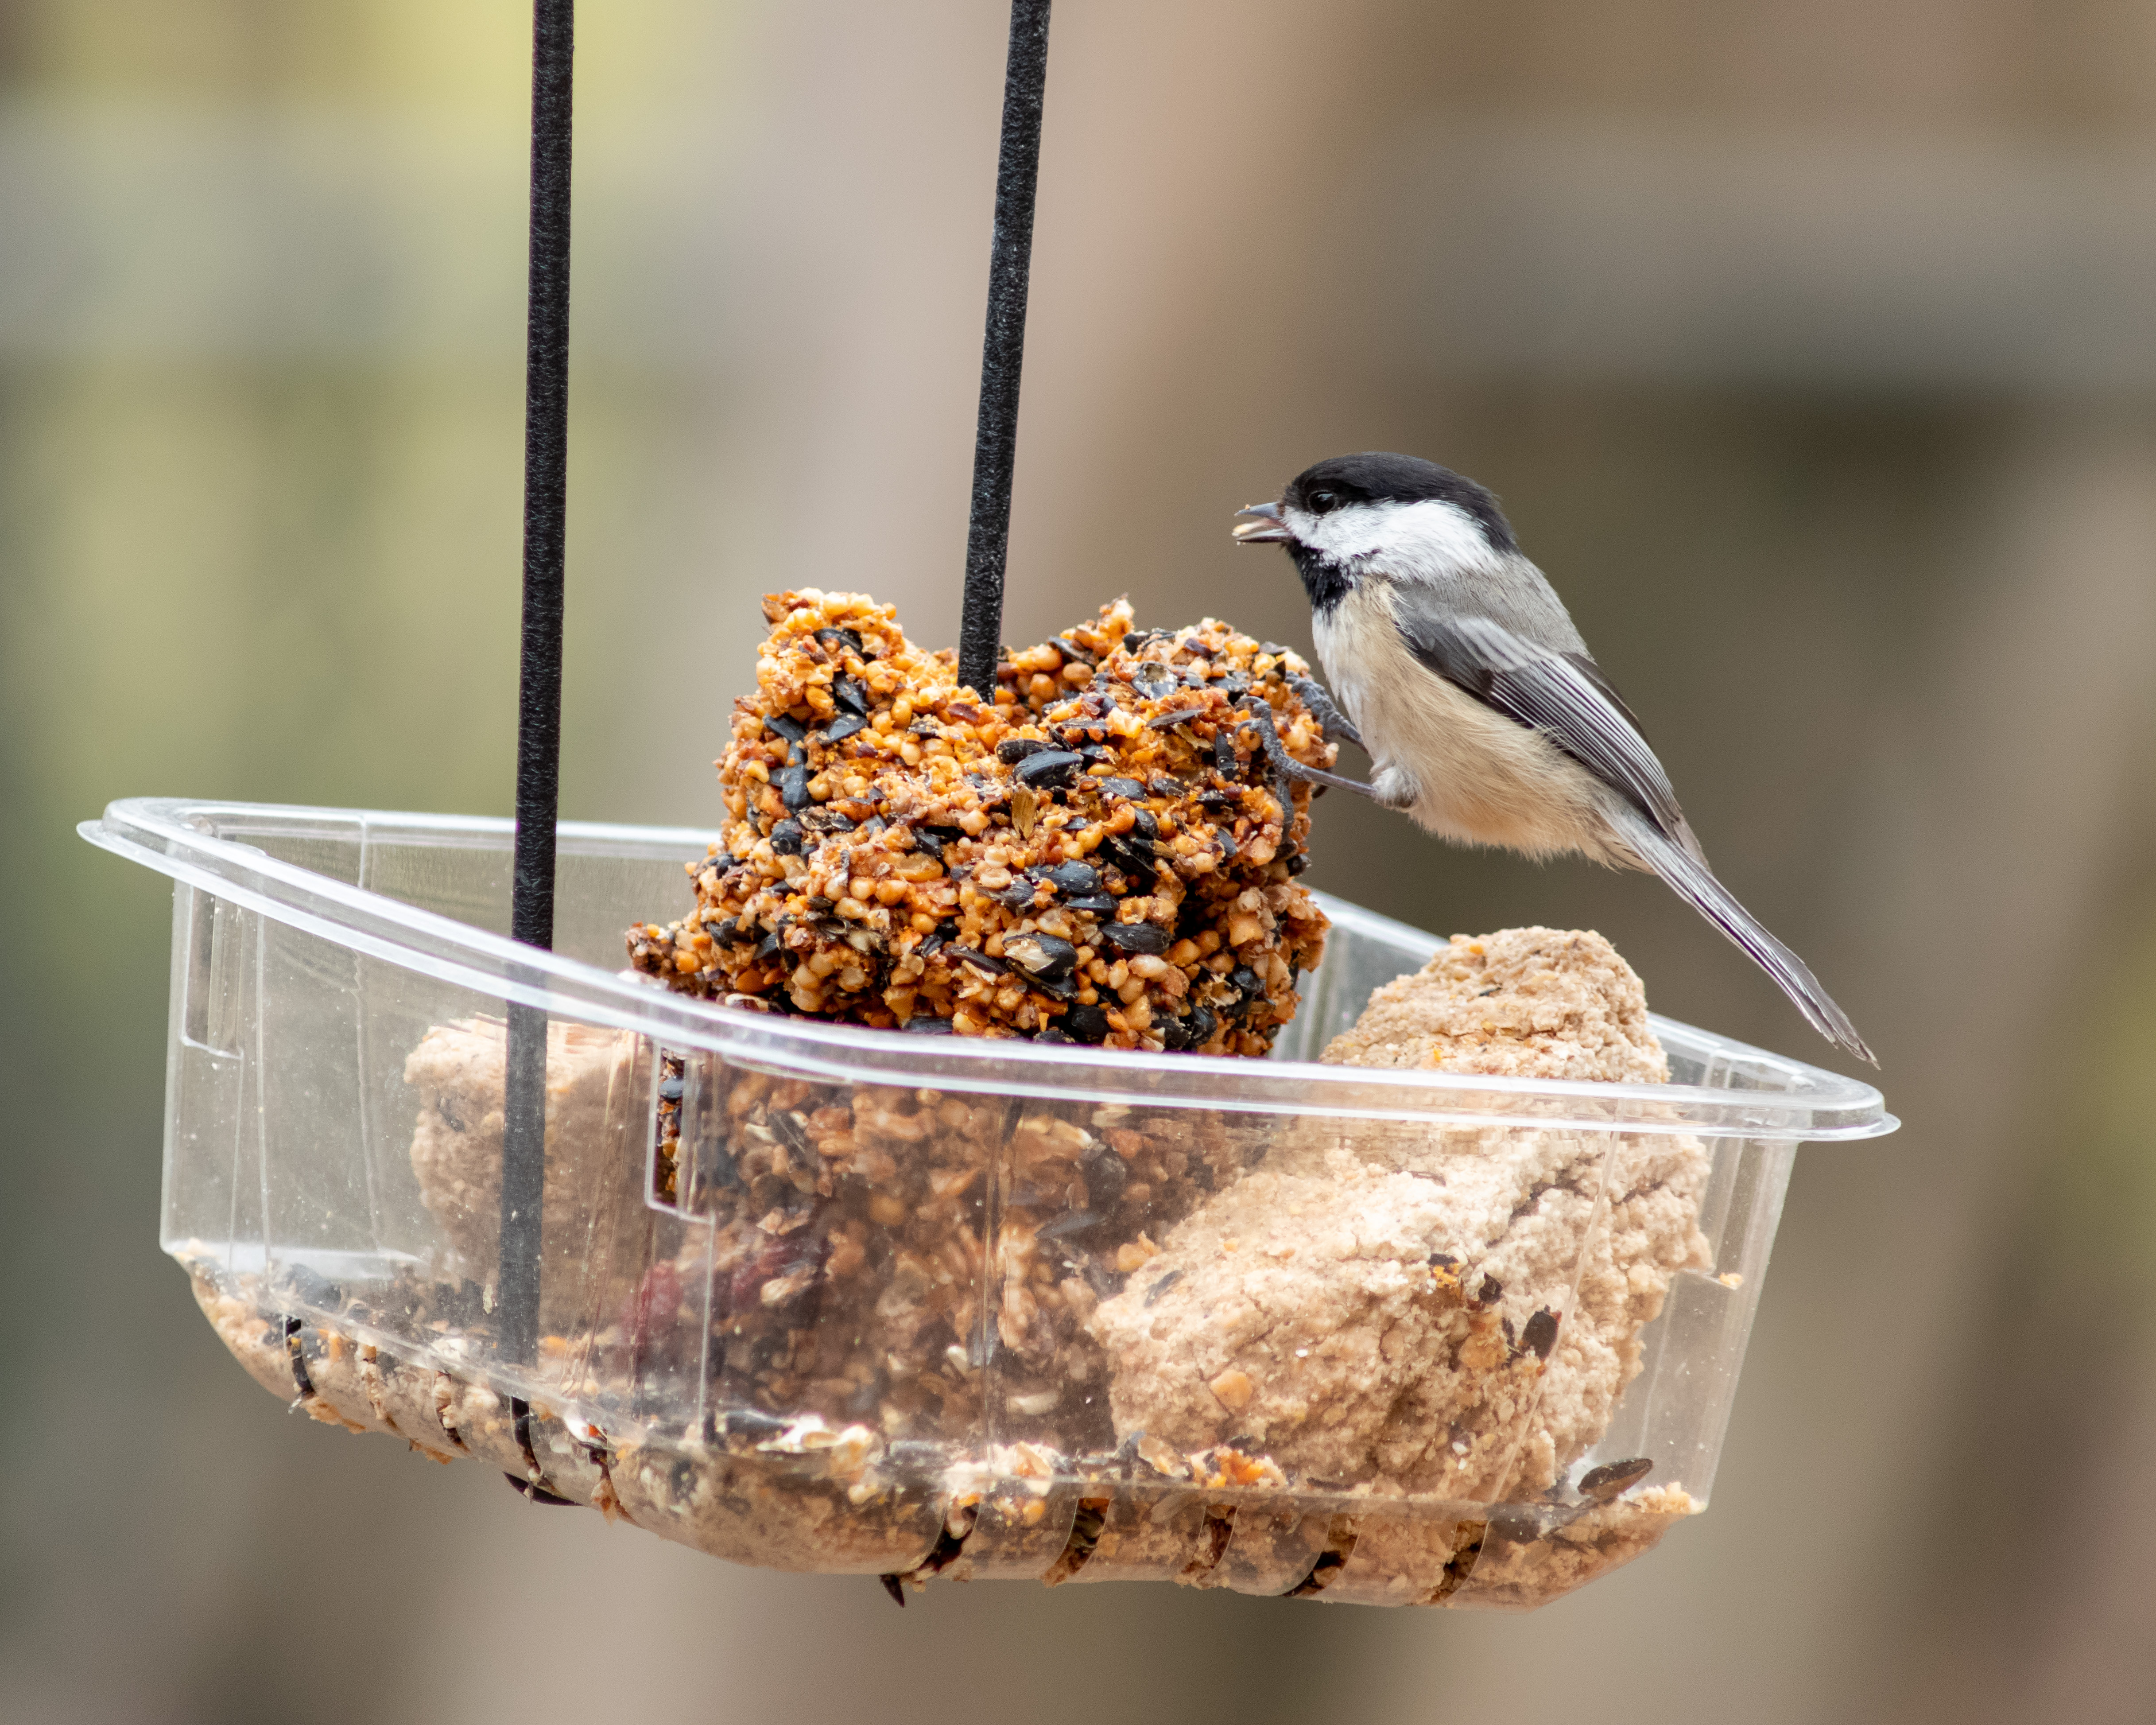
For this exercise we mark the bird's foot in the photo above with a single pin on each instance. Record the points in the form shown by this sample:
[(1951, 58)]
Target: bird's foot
[(1313, 694), (1285, 766)]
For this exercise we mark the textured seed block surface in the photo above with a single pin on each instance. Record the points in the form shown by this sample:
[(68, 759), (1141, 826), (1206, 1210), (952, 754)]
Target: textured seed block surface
[(1102, 852)]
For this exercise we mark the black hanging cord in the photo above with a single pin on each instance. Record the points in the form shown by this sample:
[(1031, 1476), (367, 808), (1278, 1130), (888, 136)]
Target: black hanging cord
[(539, 692), (1003, 349)]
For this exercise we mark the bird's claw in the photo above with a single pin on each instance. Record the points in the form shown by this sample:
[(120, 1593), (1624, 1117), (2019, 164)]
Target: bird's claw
[(1313, 694), (1285, 766)]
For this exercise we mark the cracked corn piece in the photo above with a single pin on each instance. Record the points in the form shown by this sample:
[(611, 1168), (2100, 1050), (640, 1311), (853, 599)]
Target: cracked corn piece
[(1452, 1314), (1102, 853)]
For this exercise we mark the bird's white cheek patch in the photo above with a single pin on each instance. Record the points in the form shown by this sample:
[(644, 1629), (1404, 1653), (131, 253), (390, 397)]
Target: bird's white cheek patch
[(1353, 531), (1410, 541)]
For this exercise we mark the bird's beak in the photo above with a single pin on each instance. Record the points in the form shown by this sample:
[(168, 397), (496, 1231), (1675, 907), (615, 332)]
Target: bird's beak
[(1268, 529)]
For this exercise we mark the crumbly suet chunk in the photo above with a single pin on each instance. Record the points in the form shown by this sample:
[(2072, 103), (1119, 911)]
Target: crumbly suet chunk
[(1101, 853), (1523, 1002), (1453, 1314), (459, 1070)]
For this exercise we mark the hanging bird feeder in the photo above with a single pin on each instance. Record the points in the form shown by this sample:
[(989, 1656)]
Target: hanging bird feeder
[(821, 1297)]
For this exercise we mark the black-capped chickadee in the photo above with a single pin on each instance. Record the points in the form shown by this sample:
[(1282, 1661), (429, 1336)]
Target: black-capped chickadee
[(1484, 716)]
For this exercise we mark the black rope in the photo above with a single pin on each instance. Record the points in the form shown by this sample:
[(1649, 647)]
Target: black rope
[(1003, 349), (539, 692)]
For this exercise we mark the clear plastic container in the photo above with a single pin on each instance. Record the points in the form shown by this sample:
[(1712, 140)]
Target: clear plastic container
[(825, 1298)]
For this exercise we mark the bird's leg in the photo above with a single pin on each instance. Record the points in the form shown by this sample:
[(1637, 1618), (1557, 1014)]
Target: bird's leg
[(1331, 720), (1285, 766)]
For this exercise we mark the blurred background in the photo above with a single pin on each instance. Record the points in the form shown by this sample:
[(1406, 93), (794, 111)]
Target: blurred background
[(1812, 349)]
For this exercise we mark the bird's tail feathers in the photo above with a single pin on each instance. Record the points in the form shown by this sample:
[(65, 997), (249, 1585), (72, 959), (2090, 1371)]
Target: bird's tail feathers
[(1685, 871)]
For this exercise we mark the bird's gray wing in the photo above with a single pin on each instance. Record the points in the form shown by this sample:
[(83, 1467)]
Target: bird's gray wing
[(1563, 695)]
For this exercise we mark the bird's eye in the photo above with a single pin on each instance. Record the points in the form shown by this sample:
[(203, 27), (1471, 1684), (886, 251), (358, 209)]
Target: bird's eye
[(1324, 502)]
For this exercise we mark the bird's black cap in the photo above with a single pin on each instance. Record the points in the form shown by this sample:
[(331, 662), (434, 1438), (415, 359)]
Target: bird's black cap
[(1377, 477)]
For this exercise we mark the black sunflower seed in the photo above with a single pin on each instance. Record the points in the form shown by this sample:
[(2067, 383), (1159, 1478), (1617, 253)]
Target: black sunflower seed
[(786, 838), (843, 727), (927, 1024), (1128, 788), (847, 693), (1042, 956), (753, 1425), (1168, 721), (1613, 1478), (1134, 859), (1100, 903), (1086, 1024), (1012, 750), (966, 955), (1541, 1334), (793, 788), (1132, 937), (1049, 768), (792, 731), (1076, 877), (1163, 1285), (1106, 1176), (537, 1494)]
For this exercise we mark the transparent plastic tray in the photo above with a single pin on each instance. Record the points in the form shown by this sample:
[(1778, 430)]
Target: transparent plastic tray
[(826, 1298)]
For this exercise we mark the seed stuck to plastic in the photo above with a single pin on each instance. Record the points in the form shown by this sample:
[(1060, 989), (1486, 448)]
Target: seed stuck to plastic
[(1613, 1479)]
